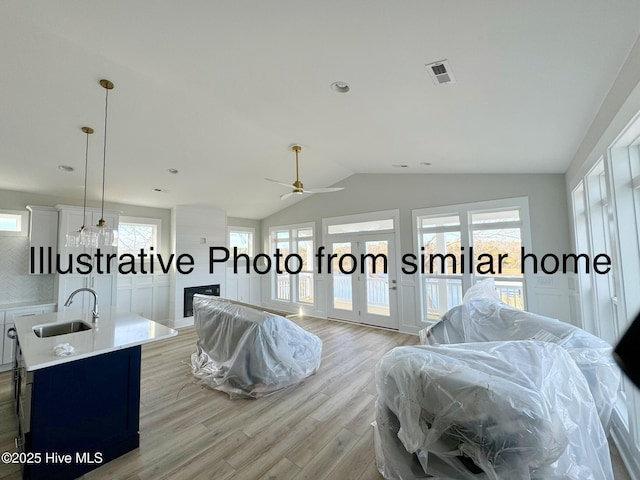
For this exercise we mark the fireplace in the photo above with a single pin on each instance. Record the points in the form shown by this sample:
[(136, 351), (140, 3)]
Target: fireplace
[(189, 292)]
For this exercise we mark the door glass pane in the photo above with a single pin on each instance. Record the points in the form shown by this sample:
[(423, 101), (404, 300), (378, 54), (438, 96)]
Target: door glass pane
[(342, 287), (305, 277), (377, 278)]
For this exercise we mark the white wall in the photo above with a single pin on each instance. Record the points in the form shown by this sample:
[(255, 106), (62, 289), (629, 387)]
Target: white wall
[(193, 231), (405, 192)]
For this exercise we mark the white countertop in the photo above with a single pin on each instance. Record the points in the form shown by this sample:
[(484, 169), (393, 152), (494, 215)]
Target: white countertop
[(18, 305), (113, 331)]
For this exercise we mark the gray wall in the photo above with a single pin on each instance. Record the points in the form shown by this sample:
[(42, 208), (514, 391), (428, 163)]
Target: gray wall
[(374, 192)]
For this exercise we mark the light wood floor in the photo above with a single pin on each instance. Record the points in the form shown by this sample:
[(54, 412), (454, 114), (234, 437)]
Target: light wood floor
[(318, 430)]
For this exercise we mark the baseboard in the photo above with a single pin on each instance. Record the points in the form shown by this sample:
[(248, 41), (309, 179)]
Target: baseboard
[(629, 452), (183, 322)]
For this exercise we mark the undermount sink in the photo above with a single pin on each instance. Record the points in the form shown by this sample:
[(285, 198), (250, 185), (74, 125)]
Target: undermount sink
[(54, 329)]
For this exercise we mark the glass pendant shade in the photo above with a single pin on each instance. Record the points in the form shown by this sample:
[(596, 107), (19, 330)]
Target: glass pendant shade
[(80, 237), (77, 238), (100, 235)]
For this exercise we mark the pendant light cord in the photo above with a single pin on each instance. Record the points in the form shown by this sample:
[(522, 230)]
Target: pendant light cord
[(104, 149), (86, 163)]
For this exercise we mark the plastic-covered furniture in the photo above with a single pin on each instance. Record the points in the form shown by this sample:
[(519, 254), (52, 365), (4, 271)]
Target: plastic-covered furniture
[(483, 317), (248, 352), (486, 411)]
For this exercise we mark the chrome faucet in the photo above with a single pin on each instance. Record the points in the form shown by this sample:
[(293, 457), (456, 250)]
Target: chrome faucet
[(95, 301)]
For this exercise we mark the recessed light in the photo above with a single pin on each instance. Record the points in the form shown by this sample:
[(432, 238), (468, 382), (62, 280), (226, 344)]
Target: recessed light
[(340, 87), (173, 171), (425, 164), (66, 168), (399, 165)]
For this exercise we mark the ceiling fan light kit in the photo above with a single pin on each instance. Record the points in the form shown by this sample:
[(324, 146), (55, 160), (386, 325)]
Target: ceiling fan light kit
[(298, 186)]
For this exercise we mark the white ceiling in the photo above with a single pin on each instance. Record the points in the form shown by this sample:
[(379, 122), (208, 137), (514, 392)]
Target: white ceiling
[(221, 89)]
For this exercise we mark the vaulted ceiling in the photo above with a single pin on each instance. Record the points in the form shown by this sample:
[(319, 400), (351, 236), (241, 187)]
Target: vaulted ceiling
[(220, 90)]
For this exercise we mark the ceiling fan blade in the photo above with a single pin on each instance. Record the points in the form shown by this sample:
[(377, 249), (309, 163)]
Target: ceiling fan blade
[(286, 195), (278, 182), (323, 190)]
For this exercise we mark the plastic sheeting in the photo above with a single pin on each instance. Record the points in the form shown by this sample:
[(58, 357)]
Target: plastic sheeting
[(495, 410), (483, 317), (247, 352)]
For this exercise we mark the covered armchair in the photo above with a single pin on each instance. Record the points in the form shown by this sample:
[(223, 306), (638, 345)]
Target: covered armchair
[(248, 352), (487, 411), (482, 317)]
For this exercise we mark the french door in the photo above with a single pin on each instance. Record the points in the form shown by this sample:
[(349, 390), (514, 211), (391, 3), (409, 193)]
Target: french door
[(363, 279)]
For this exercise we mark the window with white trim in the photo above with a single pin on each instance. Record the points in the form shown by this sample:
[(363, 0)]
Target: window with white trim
[(13, 222), (242, 238), (606, 220), (292, 274), (138, 233), (461, 244)]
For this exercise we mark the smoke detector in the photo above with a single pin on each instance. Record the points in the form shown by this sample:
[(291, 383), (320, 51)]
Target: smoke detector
[(440, 72)]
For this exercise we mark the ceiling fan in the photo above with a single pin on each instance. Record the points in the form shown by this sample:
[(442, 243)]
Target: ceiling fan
[(298, 187)]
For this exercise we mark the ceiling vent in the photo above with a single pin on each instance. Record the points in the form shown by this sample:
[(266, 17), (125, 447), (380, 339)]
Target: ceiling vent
[(440, 72)]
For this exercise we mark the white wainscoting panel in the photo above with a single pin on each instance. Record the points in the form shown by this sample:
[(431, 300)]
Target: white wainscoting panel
[(146, 295)]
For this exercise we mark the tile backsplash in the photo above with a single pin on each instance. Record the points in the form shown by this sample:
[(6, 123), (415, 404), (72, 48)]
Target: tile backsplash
[(16, 285)]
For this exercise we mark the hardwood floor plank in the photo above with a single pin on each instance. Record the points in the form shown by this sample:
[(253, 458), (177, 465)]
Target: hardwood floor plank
[(283, 470), (357, 461), (327, 458)]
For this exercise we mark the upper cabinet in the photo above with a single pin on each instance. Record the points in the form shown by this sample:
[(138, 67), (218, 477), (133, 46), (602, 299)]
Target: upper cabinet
[(43, 232)]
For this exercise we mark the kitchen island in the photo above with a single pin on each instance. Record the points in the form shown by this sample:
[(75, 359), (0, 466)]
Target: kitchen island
[(79, 410)]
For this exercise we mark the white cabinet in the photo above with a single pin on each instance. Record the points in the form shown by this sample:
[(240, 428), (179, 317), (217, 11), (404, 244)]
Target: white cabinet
[(8, 320), (105, 284), (43, 232)]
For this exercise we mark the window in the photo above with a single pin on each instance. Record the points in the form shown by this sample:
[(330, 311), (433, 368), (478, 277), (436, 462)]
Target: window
[(497, 235), (462, 244), (13, 222), (606, 220), (135, 234), (242, 238), (295, 250), (367, 226)]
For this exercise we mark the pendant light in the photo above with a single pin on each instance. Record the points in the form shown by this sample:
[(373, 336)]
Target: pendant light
[(80, 238), (102, 235)]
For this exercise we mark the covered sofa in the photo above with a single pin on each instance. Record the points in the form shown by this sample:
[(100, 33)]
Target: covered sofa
[(247, 352), (486, 411), (482, 317)]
